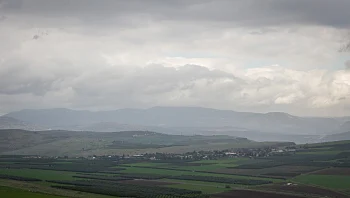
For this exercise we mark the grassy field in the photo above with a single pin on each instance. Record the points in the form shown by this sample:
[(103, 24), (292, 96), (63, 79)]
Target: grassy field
[(229, 161), (153, 171), (204, 188), (148, 164), (44, 189), (327, 181), (8, 192), (201, 183), (320, 152), (39, 174), (204, 165)]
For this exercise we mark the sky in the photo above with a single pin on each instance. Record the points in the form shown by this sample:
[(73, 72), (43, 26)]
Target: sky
[(243, 55)]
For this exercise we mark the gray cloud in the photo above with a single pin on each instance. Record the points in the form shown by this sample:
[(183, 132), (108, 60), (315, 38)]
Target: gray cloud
[(189, 85), (235, 12), (216, 53), (347, 65)]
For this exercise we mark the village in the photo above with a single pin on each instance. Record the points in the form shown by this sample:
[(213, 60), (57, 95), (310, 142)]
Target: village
[(207, 155)]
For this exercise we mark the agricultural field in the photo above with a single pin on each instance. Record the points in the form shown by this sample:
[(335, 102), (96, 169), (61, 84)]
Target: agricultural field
[(38, 174), (305, 173), (334, 171), (14, 193), (326, 181), (304, 189), (251, 193)]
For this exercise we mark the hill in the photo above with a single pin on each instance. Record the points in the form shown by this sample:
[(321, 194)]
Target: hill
[(337, 137), (12, 123), (189, 120), (343, 128), (59, 143)]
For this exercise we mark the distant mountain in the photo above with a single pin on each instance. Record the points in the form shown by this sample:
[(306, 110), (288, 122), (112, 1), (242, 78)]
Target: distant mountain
[(110, 127), (343, 128), (337, 137), (170, 119), (339, 134), (115, 127), (12, 123)]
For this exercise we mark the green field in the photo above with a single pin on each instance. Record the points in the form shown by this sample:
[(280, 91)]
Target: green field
[(39, 174), (8, 192), (148, 164), (201, 183), (204, 188), (320, 152), (203, 165), (179, 172), (327, 181), (230, 161)]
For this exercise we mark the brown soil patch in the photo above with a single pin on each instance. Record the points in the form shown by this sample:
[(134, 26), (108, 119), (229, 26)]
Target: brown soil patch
[(334, 171), (252, 194), (305, 190), (147, 182)]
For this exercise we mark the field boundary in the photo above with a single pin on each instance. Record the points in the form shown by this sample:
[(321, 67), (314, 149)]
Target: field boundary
[(185, 170)]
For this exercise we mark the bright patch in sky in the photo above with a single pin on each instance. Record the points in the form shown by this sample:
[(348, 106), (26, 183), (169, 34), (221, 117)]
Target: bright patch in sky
[(252, 55)]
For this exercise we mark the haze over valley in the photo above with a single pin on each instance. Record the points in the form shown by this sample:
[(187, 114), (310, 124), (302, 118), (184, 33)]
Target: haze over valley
[(175, 98), (274, 126)]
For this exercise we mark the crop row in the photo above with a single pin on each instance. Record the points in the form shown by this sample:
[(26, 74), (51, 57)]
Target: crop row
[(226, 180), (125, 190)]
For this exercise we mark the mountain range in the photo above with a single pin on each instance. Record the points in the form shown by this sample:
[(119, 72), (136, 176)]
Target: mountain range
[(12, 123), (273, 126)]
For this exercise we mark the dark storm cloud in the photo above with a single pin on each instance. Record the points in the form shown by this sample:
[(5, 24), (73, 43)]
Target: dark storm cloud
[(235, 12)]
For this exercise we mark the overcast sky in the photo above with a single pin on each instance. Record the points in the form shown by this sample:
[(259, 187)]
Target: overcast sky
[(244, 55)]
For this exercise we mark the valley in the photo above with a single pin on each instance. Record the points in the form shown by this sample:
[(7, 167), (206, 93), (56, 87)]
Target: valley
[(312, 170), (273, 126)]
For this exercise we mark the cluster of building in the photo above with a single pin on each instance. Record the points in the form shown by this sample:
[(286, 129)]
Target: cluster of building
[(208, 155)]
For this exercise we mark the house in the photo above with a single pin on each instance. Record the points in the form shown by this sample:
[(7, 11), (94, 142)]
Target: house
[(231, 154)]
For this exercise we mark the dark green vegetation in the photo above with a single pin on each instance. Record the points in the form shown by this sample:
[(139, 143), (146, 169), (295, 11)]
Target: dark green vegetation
[(18, 178), (314, 170), (224, 180), (131, 190), (16, 193)]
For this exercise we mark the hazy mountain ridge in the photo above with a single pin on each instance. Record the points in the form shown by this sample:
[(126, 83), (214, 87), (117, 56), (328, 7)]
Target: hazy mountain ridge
[(343, 128), (12, 123), (168, 118), (337, 137)]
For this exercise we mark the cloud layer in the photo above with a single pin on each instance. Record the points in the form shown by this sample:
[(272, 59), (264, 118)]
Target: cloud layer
[(274, 55)]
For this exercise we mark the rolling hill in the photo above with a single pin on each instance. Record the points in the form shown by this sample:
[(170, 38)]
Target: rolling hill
[(337, 137), (12, 123), (72, 143), (170, 118)]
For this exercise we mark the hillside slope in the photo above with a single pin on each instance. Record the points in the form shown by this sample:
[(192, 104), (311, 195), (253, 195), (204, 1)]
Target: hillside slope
[(169, 118), (59, 143), (337, 137), (12, 123)]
